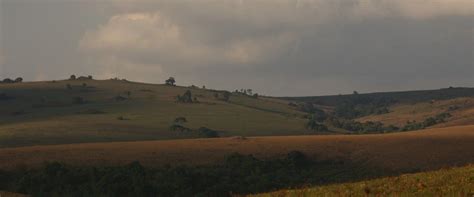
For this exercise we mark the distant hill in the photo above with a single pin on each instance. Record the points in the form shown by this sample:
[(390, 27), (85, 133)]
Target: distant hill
[(398, 97)]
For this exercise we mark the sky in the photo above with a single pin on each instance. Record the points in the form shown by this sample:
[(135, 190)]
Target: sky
[(275, 47)]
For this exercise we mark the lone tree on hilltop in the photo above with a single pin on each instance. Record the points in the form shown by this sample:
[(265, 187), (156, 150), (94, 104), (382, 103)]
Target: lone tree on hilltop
[(170, 81)]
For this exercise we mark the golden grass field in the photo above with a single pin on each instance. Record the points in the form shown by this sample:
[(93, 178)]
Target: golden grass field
[(445, 182), (422, 150)]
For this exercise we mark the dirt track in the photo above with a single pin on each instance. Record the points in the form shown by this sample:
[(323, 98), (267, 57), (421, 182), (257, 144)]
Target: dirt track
[(427, 149)]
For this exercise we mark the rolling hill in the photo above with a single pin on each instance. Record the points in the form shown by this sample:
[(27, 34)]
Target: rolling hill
[(75, 111)]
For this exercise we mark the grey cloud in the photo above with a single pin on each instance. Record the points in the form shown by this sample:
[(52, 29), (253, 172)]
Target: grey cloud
[(278, 47)]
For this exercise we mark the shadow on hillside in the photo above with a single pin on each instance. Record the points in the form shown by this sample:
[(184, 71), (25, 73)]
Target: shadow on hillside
[(239, 174)]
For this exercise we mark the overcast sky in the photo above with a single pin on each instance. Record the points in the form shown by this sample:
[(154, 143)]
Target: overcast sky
[(276, 47)]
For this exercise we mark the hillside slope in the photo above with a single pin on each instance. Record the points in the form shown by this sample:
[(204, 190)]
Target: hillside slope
[(419, 150), (74, 111), (460, 109), (445, 182)]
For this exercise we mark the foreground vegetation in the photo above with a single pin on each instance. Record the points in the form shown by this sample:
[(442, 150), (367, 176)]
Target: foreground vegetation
[(445, 182), (239, 174)]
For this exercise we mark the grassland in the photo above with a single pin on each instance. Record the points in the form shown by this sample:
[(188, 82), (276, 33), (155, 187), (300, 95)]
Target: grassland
[(445, 182), (44, 113), (461, 109), (421, 150)]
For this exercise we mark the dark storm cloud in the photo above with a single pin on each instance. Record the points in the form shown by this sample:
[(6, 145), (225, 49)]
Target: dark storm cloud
[(279, 47)]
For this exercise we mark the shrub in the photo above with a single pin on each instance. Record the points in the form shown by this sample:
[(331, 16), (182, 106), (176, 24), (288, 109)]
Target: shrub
[(207, 133), (180, 128), (18, 80), (180, 120), (72, 77), (226, 96)]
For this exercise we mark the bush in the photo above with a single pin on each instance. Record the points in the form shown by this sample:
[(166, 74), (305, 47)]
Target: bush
[(180, 120), (207, 133), (72, 77), (180, 128)]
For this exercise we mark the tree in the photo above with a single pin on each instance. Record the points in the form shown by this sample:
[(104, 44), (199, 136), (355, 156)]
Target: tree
[(8, 80), (170, 81), (72, 77), (187, 97), (18, 80), (226, 96), (90, 77), (249, 91)]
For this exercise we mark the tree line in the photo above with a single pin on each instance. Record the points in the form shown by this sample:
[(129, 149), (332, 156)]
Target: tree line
[(237, 174)]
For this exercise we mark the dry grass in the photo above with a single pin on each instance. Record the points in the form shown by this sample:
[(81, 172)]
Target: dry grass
[(400, 114), (445, 182), (427, 149), (10, 194)]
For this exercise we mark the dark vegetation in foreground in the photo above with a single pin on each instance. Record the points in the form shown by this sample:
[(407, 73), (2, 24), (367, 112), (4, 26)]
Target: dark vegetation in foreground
[(239, 174)]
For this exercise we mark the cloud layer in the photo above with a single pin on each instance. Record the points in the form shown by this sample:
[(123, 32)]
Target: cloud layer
[(278, 47)]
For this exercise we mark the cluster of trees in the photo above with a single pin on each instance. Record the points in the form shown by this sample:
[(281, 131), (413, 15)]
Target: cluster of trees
[(238, 174), (247, 92), (73, 77), (316, 119), (362, 127), (178, 125), (187, 97), (413, 125), (362, 105), (205, 132), (8, 80), (225, 96)]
